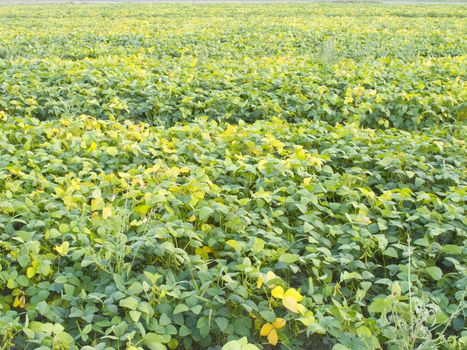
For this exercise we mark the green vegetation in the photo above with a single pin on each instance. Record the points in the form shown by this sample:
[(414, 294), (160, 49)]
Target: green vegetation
[(182, 176), (379, 65)]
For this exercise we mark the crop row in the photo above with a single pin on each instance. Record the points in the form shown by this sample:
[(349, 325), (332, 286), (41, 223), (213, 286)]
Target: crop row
[(379, 94)]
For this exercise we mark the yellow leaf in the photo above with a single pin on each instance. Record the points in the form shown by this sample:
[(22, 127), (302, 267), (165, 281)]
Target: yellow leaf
[(142, 209), (192, 218), (259, 282), (293, 293), (278, 323), (30, 272), (234, 244), (301, 309), (63, 248), (290, 304), (278, 292), (272, 337), (363, 220), (270, 276), (153, 169), (257, 324), (97, 193), (19, 301), (106, 212), (93, 146), (308, 319), (315, 161), (204, 251), (97, 204), (266, 329)]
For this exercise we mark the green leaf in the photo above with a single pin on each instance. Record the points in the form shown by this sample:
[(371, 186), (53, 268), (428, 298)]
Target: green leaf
[(364, 332), (154, 341), (135, 315), (435, 272), (29, 333), (180, 308), (222, 323), (451, 249), (391, 252), (164, 320), (340, 347), (184, 331), (196, 309), (129, 303), (379, 305), (63, 340), (146, 308), (113, 151), (268, 315), (203, 326), (258, 245), (22, 280), (288, 258), (205, 212), (350, 275), (23, 260), (135, 288), (232, 345)]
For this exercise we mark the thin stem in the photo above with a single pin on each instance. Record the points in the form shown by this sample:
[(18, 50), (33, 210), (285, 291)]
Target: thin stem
[(410, 281)]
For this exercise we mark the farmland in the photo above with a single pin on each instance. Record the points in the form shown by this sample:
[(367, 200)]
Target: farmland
[(193, 176)]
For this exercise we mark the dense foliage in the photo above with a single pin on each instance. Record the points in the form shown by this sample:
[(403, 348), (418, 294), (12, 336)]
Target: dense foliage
[(380, 65), (237, 182), (113, 230)]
